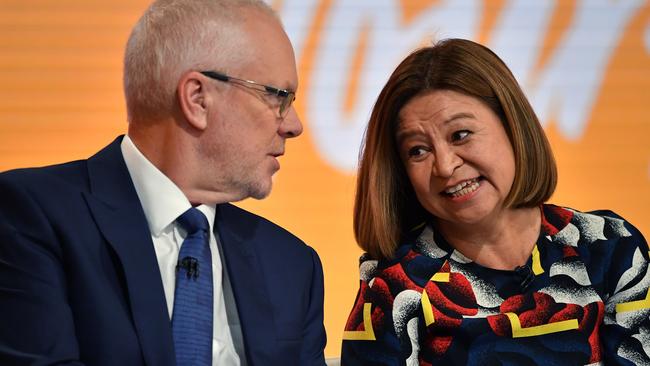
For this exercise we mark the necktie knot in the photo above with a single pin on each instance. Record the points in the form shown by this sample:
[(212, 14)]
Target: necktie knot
[(193, 221), (194, 251)]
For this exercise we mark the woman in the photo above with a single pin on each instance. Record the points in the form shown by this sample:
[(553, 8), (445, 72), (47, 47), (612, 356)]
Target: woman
[(466, 264)]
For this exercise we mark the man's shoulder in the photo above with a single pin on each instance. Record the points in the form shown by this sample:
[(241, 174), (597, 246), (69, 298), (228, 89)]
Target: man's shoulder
[(246, 224), (31, 197), (241, 217), (46, 177), (56, 178)]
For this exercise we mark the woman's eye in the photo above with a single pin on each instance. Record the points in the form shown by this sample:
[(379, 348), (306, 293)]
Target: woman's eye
[(416, 151), (460, 135)]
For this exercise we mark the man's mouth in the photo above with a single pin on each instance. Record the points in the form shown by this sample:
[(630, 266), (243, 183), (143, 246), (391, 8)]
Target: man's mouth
[(277, 154)]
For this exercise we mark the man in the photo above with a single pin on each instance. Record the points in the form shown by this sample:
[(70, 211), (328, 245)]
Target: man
[(94, 265)]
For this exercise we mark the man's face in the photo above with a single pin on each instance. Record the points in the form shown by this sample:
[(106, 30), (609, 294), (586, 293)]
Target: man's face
[(245, 136)]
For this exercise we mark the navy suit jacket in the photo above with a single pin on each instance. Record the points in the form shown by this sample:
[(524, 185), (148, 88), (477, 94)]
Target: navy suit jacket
[(80, 284)]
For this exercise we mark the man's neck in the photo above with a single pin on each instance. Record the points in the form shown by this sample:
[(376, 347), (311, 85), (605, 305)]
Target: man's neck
[(173, 153)]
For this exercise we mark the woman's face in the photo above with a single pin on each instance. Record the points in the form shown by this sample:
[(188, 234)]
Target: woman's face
[(457, 156)]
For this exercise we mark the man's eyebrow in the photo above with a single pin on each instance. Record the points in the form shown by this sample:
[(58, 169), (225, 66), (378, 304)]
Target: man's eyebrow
[(286, 85)]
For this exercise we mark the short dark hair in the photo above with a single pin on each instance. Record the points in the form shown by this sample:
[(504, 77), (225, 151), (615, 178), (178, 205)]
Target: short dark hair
[(386, 207)]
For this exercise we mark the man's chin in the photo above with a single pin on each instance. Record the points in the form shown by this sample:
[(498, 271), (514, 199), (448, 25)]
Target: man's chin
[(259, 195), (260, 191)]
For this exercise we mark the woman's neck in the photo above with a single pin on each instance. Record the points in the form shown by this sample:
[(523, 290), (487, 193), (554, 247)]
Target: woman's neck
[(503, 242)]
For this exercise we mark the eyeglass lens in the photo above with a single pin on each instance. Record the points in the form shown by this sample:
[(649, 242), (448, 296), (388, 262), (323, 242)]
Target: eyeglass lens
[(286, 104)]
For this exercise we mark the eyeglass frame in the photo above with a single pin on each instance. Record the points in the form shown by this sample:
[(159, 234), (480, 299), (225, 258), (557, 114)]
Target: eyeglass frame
[(286, 96)]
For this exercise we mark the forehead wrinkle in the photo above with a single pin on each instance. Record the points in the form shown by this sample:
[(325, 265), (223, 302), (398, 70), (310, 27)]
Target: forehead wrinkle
[(410, 128), (419, 118), (459, 115), (422, 113), (406, 133)]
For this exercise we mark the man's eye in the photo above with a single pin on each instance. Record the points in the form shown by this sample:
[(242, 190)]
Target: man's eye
[(270, 94), (460, 135), (273, 98)]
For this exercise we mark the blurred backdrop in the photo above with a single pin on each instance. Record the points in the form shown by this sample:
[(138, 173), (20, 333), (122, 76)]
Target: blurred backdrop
[(585, 65)]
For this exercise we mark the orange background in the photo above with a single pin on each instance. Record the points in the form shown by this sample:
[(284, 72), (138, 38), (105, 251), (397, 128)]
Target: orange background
[(61, 99)]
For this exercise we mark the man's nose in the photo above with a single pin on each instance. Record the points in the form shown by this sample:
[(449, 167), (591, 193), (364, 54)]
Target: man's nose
[(291, 126)]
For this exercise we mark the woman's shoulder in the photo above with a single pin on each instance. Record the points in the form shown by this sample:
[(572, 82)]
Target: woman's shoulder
[(370, 267), (413, 263), (571, 226)]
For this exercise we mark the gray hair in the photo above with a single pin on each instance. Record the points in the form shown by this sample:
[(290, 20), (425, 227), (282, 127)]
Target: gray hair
[(173, 37)]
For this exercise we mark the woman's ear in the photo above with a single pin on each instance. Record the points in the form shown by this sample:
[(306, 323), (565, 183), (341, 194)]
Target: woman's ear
[(193, 99)]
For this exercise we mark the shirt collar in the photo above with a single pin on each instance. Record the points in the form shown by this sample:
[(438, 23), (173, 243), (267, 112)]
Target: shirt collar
[(161, 199)]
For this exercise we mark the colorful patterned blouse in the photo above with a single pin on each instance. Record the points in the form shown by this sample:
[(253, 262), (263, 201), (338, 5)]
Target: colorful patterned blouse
[(582, 299)]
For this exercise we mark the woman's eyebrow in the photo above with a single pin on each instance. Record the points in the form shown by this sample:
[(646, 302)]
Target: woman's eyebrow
[(460, 115)]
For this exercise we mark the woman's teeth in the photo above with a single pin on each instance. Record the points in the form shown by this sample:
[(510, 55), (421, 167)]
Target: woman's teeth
[(463, 188)]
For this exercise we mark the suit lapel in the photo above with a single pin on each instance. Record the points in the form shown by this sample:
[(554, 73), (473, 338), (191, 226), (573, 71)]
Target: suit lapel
[(116, 208), (249, 286)]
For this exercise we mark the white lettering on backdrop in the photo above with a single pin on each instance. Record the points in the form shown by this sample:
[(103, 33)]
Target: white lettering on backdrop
[(567, 86), (564, 89)]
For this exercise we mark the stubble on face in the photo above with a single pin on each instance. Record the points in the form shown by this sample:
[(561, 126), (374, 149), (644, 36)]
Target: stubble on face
[(235, 166), (242, 140)]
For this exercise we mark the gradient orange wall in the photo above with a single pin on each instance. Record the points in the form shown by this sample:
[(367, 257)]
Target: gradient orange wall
[(61, 99)]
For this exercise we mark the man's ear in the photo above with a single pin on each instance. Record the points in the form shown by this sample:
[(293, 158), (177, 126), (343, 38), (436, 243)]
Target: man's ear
[(193, 99)]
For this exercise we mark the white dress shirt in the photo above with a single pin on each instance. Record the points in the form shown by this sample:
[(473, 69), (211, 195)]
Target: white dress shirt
[(162, 202)]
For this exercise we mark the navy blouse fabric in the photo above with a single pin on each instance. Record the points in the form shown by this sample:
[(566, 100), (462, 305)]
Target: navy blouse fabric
[(581, 299)]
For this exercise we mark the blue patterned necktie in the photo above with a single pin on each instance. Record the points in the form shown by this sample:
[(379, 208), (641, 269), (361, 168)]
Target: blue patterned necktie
[(192, 315)]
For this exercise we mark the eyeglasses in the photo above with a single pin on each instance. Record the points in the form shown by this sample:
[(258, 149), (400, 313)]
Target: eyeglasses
[(286, 97)]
